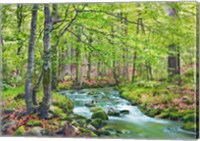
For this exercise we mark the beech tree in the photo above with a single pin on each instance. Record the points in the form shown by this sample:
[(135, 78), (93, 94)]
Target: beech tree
[(28, 86), (46, 101)]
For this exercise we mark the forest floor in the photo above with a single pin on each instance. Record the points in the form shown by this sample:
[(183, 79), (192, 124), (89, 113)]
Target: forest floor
[(153, 98), (164, 100), (15, 123)]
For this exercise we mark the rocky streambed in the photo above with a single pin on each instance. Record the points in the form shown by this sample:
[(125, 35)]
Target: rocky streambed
[(124, 120)]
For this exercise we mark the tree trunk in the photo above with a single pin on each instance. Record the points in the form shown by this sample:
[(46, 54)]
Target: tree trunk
[(78, 67), (134, 66), (35, 89), (72, 63), (114, 59), (89, 66), (1, 64), (19, 26), (54, 60), (28, 86), (78, 59), (54, 52), (173, 61), (46, 101), (173, 52), (126, 65), (135, 52), (98, 70)]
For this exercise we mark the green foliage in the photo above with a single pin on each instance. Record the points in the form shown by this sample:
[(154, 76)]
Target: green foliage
[(34, 123), (20, 131), (191, 126), (63, 86), (12, 92)]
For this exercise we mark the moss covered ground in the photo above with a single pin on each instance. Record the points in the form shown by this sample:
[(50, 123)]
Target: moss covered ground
[(163, 100)]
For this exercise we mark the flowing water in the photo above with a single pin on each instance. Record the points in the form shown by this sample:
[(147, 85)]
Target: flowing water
[(135, 124)]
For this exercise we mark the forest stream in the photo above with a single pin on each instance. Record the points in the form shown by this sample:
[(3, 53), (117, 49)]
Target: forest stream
[(133, 124)]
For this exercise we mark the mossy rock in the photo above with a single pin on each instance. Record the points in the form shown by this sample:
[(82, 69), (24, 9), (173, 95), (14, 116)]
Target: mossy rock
[(75, 123), (190, 126), (75, 116), (35, 131), (58, 112), (20, 131), (95, 109), (114, 113), (86, 133), (97, 123), (101, 114), (124, 112), (63, 102), (53, 122), (90, 105), (82, 122), (34, 123)]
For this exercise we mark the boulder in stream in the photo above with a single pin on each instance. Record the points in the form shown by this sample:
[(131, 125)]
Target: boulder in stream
[(124, 112), (112, 112), (100, 113)]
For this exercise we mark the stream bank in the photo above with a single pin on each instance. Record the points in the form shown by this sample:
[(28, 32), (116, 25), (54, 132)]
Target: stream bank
[(131, 124)]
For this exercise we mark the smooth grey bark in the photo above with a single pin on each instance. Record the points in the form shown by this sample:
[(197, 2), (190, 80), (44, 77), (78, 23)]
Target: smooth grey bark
[(54, 68), (89, 60), (78, 67), (54, 52), (72, 63), (134, 66), (135, 53), (78, 60), (125, 55), (28, 85), (19, 23), (98, 70), (115, 76), (89, 66), (46, 101), (20, 17), (36, 87)]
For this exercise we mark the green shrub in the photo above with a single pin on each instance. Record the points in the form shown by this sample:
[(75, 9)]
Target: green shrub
[(34, 123), (20, 131)]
